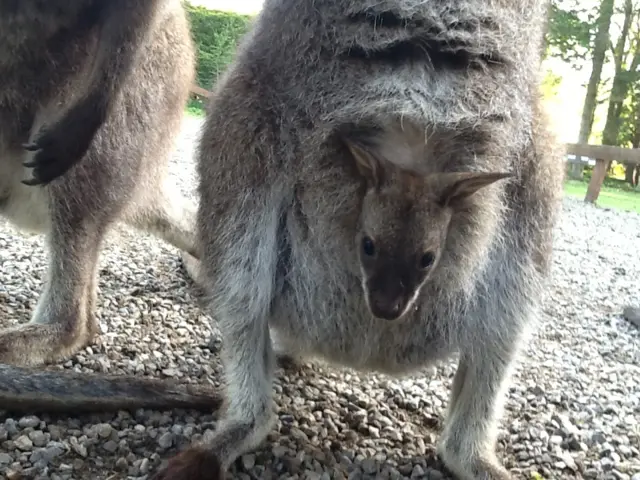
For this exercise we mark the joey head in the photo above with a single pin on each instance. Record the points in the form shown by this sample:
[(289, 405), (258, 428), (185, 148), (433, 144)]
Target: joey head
[(403, 226)]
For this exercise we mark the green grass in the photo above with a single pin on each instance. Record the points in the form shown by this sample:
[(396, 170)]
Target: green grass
[(614, 194), (195, 108)]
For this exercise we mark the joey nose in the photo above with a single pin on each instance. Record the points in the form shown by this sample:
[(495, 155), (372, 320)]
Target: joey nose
[(388, 294), (387, 307)]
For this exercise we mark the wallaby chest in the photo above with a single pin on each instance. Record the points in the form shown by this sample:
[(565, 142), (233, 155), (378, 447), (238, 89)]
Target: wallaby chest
[(43, 40)]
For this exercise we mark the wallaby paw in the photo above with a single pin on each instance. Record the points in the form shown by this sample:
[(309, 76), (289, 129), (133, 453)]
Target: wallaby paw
[(479, 470), (194, 463), (60, 146), (34, 345)]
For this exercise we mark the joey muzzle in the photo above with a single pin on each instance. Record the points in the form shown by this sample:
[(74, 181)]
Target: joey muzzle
[(388, 296)]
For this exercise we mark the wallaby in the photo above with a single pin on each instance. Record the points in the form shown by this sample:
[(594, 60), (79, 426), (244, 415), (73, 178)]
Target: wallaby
[(446, 91), (96, 92)]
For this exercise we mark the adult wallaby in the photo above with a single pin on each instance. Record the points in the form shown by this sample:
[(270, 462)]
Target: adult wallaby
[(95, 91), (445, 90)]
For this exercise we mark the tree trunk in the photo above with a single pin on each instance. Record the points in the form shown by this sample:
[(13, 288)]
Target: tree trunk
[(629, 170), (621, 81), (600, 46)]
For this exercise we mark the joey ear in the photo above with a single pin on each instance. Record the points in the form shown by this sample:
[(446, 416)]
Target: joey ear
[(454, 187), (368, 165)]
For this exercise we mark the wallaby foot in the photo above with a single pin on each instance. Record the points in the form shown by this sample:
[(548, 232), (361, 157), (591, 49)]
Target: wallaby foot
[(63, 322), (288, 362), (35, 344), (194, 463), (467, 443), (286, 357)]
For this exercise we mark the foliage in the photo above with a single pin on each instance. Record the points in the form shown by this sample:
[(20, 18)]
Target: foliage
[(216, 35), (550, 84), (571, 30), (195, 107), (629, 134)]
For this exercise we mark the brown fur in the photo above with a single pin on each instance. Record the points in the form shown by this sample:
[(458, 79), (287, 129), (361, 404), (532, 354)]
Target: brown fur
[(193, 463), (404, 223)]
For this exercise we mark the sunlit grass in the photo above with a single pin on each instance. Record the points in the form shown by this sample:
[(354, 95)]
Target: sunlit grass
[(614, 194)]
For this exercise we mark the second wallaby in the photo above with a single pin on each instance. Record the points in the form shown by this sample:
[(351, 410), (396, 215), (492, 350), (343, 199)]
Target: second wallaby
[(443, 246), (95, 92)]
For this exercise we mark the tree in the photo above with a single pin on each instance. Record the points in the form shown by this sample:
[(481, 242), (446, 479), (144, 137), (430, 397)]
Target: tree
[(600, 46), (626, 58), (629, 135), (626, 61), (569, 35)]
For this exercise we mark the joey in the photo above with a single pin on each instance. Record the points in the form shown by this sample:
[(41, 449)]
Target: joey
[(403, 227)]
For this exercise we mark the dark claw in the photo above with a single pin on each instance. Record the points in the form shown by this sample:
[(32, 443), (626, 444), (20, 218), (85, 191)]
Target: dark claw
[(30, 164), (32, 182), (32, 147)]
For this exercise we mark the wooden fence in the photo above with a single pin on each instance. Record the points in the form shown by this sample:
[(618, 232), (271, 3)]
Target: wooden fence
[(602, 154)]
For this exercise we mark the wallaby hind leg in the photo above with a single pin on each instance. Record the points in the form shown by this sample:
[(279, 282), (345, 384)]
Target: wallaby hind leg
[(168, 215), (468, 440), (63, 321), (467, 443)]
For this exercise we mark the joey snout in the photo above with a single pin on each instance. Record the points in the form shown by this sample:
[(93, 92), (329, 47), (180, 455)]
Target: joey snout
[(389, 296)]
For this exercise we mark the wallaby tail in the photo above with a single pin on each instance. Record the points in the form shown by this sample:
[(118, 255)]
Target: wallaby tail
[(29, 390)]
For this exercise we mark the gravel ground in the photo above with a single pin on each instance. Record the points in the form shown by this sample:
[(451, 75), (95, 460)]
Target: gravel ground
[(573, 410)]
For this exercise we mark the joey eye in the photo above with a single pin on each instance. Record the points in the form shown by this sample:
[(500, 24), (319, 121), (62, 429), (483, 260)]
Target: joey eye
[(427, 260), (367, 247)]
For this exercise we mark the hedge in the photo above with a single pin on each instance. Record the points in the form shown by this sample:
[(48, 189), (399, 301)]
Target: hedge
[(216, 35)]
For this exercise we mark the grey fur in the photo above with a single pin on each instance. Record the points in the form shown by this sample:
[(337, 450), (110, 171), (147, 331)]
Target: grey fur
[(137, 62), (437, 87)]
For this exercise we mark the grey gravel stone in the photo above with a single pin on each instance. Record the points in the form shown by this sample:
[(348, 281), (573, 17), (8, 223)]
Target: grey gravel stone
[(38, 438), (104, 430), (24, 443), (632, 314), (29, 421), (571, 410), (165, 440)]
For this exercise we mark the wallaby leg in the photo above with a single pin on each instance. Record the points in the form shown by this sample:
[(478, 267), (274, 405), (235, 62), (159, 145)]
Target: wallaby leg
[(93, 328), (63, 321), (467, 443), (170, 216), (238, 267), (249, 365)]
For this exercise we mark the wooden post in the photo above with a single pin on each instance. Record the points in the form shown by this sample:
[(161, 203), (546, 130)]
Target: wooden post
[(597, 179), (200, 91)]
